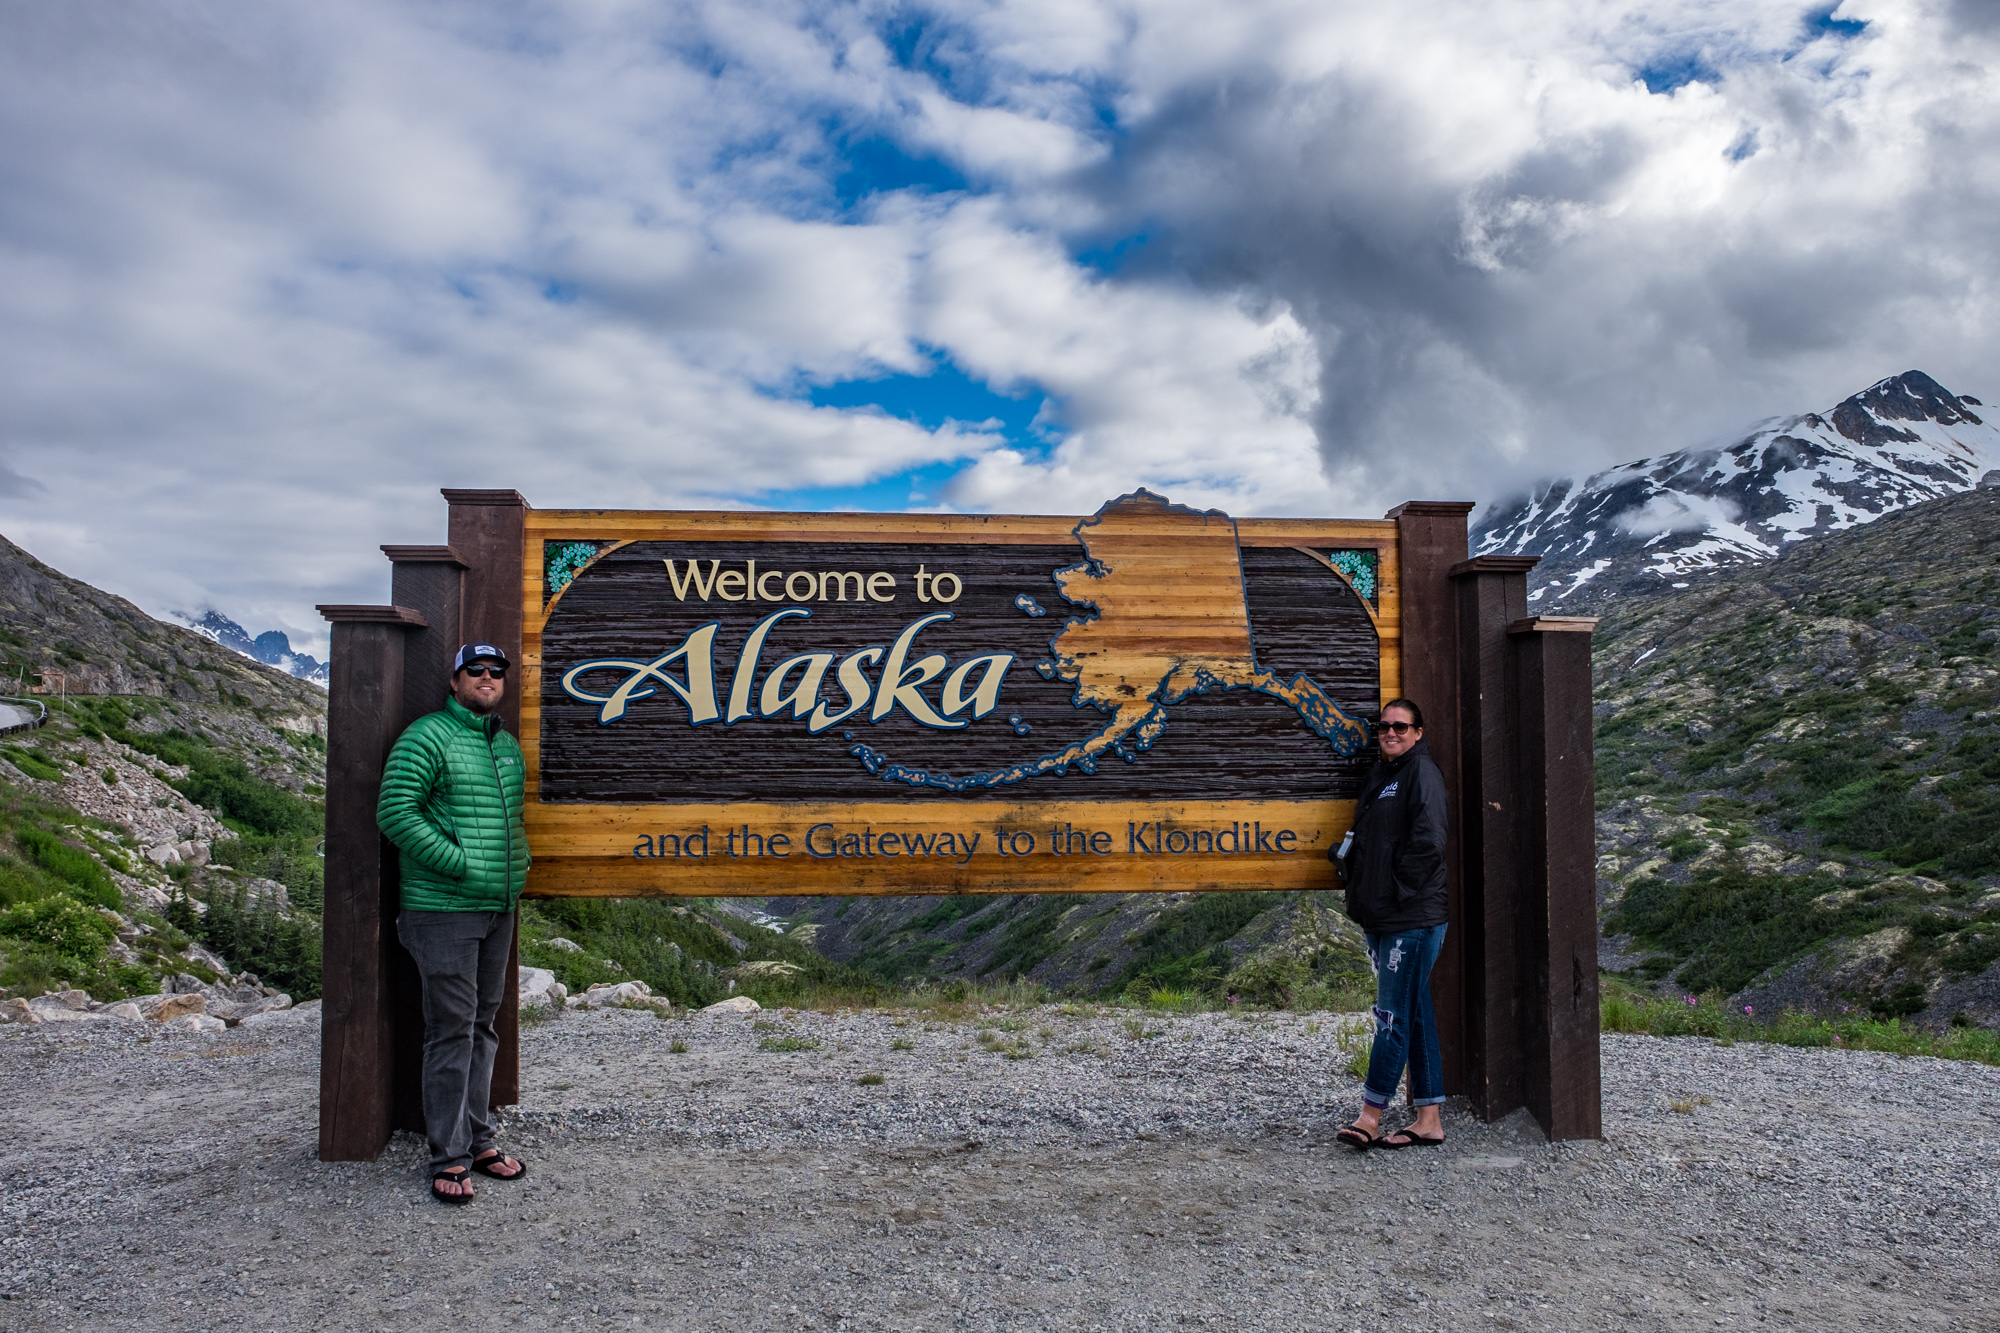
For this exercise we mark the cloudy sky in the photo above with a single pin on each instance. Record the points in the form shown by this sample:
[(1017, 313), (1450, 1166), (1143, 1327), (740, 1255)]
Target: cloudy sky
[(271, 275)]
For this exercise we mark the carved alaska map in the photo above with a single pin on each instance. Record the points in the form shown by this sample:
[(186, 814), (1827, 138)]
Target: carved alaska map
[(1169, 618)]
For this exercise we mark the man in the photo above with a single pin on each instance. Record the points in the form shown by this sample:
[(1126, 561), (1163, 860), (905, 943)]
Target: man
[(451, 802)]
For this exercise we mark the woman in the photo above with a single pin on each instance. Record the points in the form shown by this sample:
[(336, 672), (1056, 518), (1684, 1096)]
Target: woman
[(1394, 872)]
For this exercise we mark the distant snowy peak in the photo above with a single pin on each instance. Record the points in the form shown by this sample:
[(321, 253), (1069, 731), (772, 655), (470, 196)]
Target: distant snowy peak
[(1663, 522), (272, 647)]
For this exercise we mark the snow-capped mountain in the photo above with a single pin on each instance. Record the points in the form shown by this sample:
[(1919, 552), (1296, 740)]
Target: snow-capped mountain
[(1663, 522), (272, 647)]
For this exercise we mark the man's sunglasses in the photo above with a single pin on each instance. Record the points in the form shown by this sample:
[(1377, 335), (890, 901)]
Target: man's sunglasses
[(498, 673), (1398, 727)]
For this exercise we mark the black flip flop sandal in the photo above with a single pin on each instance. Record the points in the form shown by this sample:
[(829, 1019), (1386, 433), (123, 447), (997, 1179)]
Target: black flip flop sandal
[(484, 1166), (1357, 1137), (457, 1176), (1411, 1139)]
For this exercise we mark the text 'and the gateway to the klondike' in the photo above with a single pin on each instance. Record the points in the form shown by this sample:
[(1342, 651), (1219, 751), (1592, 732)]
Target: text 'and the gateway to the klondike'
[(831, 841)]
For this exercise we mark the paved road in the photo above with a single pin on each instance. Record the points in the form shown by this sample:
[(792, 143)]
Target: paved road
[(13, 715)]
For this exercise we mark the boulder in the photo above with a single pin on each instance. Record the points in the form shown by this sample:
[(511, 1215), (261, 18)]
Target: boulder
[(17, 1011), (566, 946), (71, 999), (623, 995), (540, 989), (197, 1023), (233, 1012), (735, 1004), (767, 967), (165, 1008), (165, 854), (124, 1009), (193, 852), (50, 1009), (305, 1015)]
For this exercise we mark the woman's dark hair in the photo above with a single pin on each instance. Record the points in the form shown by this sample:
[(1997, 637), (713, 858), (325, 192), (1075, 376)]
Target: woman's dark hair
[(1409, 706)]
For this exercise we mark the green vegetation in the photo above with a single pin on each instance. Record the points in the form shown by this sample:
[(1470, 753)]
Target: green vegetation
[(1627, 1010), (282, 951), (686, 952), (1186, 948), (1835, 705), (788, 1044), (278, 831)]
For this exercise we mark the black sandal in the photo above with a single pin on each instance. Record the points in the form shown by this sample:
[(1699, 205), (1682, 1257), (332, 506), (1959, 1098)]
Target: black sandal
[(1410, 1139), (1357, 1137), (457, 1176), (484, 1166)]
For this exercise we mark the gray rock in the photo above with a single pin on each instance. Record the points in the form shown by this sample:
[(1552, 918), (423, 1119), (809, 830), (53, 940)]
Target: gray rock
[(566, 946), (17, 1011), (735, 1004), (196, 1023), (163, 1008), (626, 994), (540, 989)]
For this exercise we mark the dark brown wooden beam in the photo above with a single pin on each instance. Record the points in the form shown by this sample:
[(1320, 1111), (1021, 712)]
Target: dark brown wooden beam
[(422, 555), (1432, 538), (364, 705), (487, 529), (1558, 892), (1492, 592), (429, 579)]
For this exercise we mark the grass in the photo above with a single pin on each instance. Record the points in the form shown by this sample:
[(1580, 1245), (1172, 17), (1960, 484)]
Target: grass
[(871, 1080), (902, 1044), (1626, 1010), (788, 1044), (1355, 1040), (678, 1047)]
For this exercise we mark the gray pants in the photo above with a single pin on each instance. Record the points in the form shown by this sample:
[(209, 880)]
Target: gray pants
[(462, 957)]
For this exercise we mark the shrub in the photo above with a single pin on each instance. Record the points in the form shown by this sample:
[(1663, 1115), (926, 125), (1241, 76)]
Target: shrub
[(60, 926), (77, 869)]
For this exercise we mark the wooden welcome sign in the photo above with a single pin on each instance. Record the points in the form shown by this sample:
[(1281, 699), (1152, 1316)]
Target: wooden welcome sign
[(1152, 697)]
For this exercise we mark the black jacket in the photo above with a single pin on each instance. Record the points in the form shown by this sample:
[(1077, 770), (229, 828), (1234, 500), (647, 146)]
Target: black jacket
[(1395, 869)]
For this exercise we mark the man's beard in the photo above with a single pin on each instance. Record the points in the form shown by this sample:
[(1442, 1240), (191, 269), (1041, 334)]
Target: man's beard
[(483, 707)]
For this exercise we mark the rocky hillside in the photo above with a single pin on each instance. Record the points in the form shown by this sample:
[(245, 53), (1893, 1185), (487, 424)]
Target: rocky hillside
[(1799, 773), (1661, 523), (159, 833), (1270, 948), (80, 640), (60, 637)]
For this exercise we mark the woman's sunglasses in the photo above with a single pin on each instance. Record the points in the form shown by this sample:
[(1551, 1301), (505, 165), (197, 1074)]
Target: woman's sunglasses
[(498, 673), (1398, 727)]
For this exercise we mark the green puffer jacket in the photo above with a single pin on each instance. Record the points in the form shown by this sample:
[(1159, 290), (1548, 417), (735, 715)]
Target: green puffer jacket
[(452, 794)]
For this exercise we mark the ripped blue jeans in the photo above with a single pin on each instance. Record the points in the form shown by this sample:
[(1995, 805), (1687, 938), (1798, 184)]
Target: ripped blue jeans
[(1405, 1027)]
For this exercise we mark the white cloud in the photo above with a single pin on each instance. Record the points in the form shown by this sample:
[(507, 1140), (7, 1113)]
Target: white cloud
[(272, 276)]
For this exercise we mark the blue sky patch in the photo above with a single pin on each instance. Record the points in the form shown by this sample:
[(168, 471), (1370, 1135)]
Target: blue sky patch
[(918, 487), (1823, 21), (946, 394), (1669, 72), (876, 165), (1110, 256)]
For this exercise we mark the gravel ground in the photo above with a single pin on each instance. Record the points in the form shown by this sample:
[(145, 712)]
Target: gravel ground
[(1179, 1174)]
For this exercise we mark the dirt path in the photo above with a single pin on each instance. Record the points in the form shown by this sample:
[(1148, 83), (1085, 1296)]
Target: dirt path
[(1103, 1180)]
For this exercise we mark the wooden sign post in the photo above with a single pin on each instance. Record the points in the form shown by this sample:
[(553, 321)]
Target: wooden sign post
[(1152, 698)]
